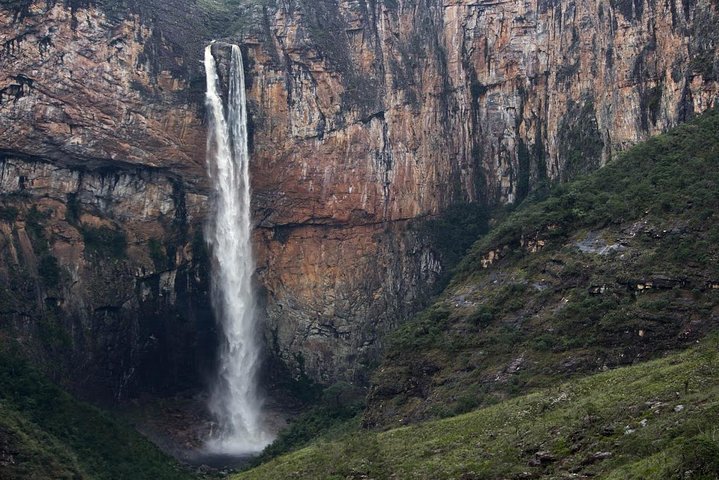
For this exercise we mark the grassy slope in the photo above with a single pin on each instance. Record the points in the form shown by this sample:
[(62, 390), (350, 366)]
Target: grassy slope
[(589, 426), (45, 433), (546, 310)]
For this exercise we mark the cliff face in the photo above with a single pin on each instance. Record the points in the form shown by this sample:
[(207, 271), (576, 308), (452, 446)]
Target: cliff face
[(101, 276), (366, 116), (102, 201), (81, 89)]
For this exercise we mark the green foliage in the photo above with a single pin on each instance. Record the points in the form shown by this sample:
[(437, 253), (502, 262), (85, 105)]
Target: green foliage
[(337, 411), (704, 64), (55, 436), (580, 143), (157, 254), (575, 423), (651, 102), (455, 230), (74, 209), (672, 173), (700, 456), (200, 253), (49, 270), (54, 336), (105, 241), (8, 214), (482, 316), (537, 316), (34, 224), (424, 332)]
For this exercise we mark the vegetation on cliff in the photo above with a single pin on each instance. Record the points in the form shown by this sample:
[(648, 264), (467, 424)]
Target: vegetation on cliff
[(614, 269), (611, 269)]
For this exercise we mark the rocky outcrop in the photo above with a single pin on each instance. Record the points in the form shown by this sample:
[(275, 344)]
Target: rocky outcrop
[(367, 116)]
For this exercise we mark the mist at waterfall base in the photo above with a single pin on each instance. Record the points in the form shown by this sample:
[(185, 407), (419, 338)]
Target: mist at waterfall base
[(235, 402)]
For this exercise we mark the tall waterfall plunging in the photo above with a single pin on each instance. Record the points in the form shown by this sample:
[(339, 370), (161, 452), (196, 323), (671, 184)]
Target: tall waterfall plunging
[(235, 401)]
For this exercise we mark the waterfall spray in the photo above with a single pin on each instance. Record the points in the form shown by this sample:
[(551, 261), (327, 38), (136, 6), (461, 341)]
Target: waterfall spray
[(235, 401)]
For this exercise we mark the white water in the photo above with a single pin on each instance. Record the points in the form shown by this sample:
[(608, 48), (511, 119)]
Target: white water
[(235, 401)]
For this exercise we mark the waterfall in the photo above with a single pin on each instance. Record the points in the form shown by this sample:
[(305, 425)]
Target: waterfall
[(235, 401)]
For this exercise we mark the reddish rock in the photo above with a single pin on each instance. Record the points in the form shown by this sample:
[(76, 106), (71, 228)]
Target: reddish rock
[(365, 116)]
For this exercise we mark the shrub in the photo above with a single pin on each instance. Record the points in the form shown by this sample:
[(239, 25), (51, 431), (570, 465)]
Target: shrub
[(36, 230), (49, 270), (105, 241), (200, 253), (339, 404), (700, 456), (8, 214), (157, 254), (482, 316), (456, 229), (103, 447), (73, 211)]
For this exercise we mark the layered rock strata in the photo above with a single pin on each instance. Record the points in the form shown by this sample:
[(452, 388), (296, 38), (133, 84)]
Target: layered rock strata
[(367, 117), (103, 277), (102, 195), (367, 114)]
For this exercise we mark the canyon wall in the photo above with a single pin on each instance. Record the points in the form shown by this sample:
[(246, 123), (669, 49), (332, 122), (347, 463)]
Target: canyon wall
[(370, 113), (102, 195), (368, 116)]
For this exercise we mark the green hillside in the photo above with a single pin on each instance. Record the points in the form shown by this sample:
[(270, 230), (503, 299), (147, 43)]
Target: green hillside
[(569, 333), (654, 420), (609, 270), (47, 434)]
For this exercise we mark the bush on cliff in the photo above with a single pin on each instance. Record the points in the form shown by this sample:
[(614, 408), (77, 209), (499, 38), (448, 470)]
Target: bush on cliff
[(105, 241)]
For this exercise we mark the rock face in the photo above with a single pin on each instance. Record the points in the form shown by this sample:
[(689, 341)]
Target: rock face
[(103, 279), (79, 89), (102, 199), (367, 116)]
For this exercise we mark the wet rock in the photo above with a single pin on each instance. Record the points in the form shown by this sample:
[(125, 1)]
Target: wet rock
[(594, 243), (128, 319)]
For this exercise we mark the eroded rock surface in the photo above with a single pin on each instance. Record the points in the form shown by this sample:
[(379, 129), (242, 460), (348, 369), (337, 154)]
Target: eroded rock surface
[(102, 194), (372, 113), (366, 116), (103, 276)]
